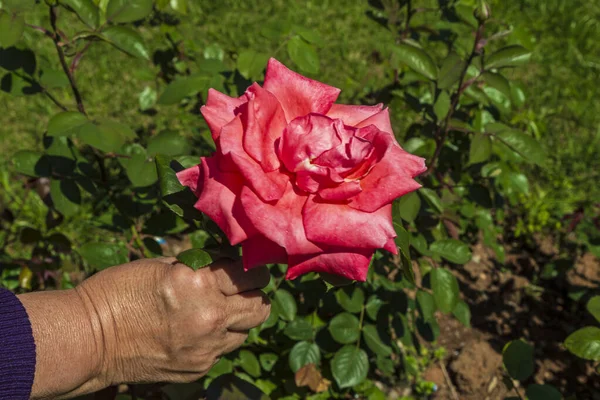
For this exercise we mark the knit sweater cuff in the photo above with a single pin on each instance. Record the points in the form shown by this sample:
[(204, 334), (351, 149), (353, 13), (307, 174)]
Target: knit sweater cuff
[(17, 349)]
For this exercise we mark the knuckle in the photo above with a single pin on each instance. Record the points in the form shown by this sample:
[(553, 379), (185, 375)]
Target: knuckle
[(263, 307), (216, 318)]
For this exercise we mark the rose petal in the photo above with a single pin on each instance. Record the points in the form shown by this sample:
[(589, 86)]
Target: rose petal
[(258, 250), (353, 115), (297, 94), (280, 222), (351, 264), (381, 120), (217, 192), (305, 139), (339, 225), (344, 191), (346, 157), (219, 110), (264, 123), (269, 186), (389, 178), (391, 246), (191, 177)]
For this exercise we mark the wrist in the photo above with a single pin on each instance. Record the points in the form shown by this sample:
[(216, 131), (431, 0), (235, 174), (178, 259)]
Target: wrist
[(69, 350)]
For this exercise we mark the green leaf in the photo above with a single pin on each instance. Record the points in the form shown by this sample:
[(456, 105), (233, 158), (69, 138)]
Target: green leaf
[(249, 363), (31, 163), (11, 28), (432, 199), (127, 40), (285, 304), (417, 60), (140, 171), (103, 255), (511, 56), (67, 123), (518, 359), (514, 182), (66, 196), (445, 289), (374, 342), (526, 146), (462, 312), (147, 98), (349, 366), (542, 392), (427, 305), (128, 10), (251, 64), (303, 54), (304, 353), (452, 250), (351, 298), (593, 306), (86, 10), (450, 71), (409, 206), (373, 305), (585, 343), (223, 366), (299, 329), (214, 51), (344, 328), (403, 241), (178, 198), (310, 35), (107, 137), (52, 78), (268, 361), (481, 148), (18, 5), (195, 258), (498, 82), (181, 88), (180, 6), (231, 387), (442, 105), (169, 143)]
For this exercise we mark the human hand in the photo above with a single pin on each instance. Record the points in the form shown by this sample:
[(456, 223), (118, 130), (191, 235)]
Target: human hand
[(156, 320)]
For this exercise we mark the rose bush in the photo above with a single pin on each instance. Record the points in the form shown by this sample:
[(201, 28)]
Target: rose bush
[(298, 179)]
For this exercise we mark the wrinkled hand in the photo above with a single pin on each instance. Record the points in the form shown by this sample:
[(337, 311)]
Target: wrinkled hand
[(157, 320)]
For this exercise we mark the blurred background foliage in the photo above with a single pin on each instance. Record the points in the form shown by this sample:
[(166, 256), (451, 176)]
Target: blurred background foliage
[(71, 204)]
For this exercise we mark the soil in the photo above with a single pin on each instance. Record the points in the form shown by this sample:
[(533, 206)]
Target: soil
[(506, 304)]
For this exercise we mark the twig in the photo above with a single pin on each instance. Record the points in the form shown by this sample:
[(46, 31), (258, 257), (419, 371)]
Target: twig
[(63, 61), (515, 388), (441, 136), (448, 381), (409, 14), (41, 29), (54, 99), (78, 56)]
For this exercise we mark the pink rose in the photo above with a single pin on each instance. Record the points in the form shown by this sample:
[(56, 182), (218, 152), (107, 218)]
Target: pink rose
[(300, 180)]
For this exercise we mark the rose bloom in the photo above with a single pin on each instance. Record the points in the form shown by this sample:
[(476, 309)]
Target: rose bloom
[(298, 179)]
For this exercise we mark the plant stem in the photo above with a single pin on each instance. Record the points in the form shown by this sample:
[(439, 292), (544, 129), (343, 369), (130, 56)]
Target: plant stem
[(442, 135), (360, 324), (63, 61), (139, 243)]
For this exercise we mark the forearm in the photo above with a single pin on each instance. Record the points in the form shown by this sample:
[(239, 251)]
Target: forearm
[(68, 344)]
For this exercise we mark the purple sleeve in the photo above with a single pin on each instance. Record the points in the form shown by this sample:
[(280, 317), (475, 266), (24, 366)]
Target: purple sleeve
[(17, 349)]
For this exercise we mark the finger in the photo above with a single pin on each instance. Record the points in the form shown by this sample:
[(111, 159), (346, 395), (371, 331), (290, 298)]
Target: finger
[(247, 310), (232, 278), (233, 340)]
